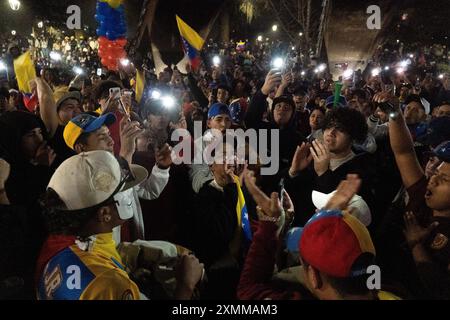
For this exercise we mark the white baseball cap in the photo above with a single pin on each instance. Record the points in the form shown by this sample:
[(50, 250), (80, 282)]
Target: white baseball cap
[(360, 210), (90, 178)]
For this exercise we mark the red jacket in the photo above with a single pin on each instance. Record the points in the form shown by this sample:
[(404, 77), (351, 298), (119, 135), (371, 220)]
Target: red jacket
[(258, 269)]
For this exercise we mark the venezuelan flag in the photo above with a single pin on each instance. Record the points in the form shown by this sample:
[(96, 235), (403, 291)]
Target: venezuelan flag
[(243, 225), (242, 213), (192, 42)]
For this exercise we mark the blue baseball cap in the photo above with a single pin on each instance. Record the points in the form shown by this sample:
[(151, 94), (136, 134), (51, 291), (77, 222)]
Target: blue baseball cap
[(218, 108), (293, 238), (438, 131), (85, 123), (442, 151)]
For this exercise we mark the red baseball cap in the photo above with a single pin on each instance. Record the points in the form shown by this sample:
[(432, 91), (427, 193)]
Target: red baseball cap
[(337, 244)]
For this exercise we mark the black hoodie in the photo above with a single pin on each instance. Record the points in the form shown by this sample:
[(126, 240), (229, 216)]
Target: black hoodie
[(26, 181), (289, 137), (288, 141)]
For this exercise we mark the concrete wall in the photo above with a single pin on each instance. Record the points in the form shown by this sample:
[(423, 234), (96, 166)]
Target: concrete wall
[(347, 38)]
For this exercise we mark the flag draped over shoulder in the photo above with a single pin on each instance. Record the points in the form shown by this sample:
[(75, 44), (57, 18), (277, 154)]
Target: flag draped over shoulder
[(25, 72), (243, 222), (192, 42)]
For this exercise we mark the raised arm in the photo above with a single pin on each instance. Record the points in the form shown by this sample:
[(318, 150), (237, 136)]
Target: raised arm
[(258, 103), (47, 105), (286, 80), (402, 143), (196, 91)]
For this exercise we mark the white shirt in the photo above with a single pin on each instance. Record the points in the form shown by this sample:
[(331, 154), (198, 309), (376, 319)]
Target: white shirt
[(336, 163), (148, 190)]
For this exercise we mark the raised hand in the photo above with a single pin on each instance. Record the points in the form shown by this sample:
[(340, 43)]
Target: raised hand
[(164, 157), (302, 158), (415, 233), (344, 193), (189, 272), (286, 79), (129, 131), (270, 206), (273, 79), (44, 155), (321, 156), (387, 97), (288, 206)]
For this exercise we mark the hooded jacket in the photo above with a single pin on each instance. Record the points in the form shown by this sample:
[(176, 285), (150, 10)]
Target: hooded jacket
[(289, 137), (26, 181)]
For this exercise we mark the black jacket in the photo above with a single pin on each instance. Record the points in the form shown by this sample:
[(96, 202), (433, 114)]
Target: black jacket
[(289, 137), (197, 93), (287, 144), (301, 187), (214, 222)]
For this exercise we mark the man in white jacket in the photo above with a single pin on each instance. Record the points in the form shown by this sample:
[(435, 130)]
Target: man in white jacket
[(219, 119)]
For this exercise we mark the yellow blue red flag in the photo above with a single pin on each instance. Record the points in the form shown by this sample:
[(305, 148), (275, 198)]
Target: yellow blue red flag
[(192, 42), (242, 213)]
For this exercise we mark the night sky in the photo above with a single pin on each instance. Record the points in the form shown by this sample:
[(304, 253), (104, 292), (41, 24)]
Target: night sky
[(428, 18)]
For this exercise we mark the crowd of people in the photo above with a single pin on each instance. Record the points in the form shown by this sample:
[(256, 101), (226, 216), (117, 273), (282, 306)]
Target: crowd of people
[(71, 49), (95, 205)]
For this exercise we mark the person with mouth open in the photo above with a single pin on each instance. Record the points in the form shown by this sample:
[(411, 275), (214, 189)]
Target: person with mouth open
[(427, 217)]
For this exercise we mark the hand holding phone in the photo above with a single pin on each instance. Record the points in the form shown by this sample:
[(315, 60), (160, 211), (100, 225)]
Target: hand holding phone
[(114, 93), (280, 190)]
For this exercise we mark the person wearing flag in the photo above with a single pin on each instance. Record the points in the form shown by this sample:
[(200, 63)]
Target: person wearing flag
[(220, 229), (24, 72)]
